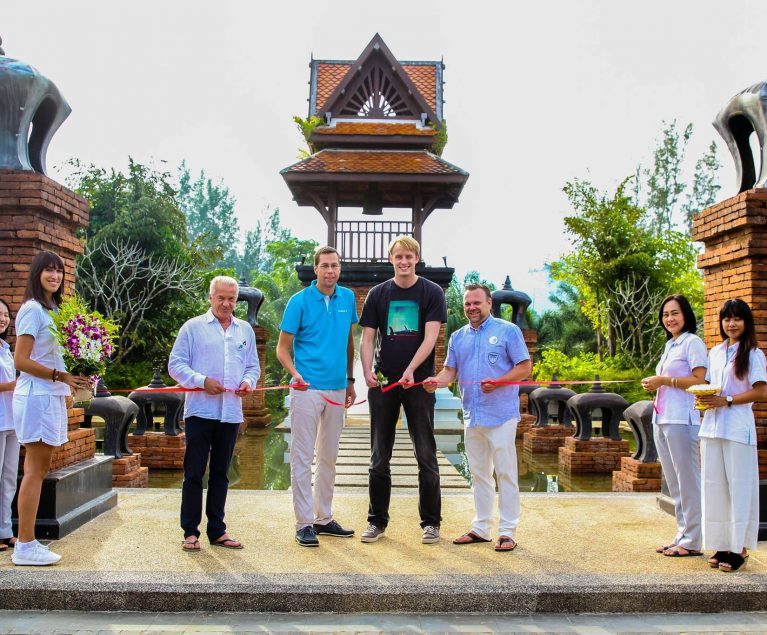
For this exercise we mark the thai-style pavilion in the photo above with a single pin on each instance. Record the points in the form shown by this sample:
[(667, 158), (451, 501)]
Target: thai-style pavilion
[(376, 146)]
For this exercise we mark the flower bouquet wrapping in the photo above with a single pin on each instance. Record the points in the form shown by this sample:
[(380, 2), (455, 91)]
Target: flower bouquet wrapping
[(87, 342), (700, 390)]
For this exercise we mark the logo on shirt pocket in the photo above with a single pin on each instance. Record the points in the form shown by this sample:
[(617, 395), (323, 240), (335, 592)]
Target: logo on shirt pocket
[(242, 345), (492, 357)]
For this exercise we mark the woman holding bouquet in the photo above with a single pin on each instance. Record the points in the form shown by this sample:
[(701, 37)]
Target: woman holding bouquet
[(730, 464), (9, 444), (39, 406), (676, 422)]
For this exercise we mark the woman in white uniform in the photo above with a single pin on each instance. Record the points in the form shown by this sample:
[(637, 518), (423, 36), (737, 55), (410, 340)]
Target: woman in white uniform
[(676, 421), (730, 464), (9, 444), (39, 406)]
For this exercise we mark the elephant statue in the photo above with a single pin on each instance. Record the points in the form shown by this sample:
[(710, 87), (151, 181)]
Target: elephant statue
[(743, 115), (31, 110)]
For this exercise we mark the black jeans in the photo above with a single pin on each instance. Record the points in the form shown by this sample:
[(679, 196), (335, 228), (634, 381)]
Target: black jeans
[(384, 412), (206, 438)]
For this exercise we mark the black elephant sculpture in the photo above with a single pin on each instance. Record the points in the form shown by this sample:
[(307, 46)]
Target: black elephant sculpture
[(742, 116), (31, 111)]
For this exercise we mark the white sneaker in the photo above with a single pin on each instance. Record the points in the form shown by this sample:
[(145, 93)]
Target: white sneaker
[(430, 535), (36, 556), (372, 533)]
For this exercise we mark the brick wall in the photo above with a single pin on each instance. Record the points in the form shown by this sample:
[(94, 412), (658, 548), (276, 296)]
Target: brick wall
[(36, 213)]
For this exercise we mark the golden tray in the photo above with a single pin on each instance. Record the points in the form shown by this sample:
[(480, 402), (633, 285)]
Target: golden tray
[(700, 390)]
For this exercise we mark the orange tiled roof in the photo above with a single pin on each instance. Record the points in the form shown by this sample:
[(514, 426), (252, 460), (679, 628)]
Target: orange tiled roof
[(350, 128), (425, 81), (329, 75), (374, 162)]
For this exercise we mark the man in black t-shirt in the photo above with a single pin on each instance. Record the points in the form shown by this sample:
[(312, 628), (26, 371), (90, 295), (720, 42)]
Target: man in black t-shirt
[(401, 321)]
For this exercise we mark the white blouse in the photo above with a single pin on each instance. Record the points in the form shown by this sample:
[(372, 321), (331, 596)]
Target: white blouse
[(680, 357), (7, 373), (33, 319), (736, 422)]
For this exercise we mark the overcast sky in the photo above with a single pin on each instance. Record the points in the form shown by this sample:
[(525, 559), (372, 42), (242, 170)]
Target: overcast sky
[(536, 94)]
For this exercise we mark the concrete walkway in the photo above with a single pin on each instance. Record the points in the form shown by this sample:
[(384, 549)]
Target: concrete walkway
[(577, 553)]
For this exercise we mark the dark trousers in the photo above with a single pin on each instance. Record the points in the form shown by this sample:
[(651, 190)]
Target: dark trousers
[(206, 438), (384, 412)]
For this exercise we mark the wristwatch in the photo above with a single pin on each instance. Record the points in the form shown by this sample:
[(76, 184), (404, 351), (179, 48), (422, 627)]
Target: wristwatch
[(351, 379), (729, 401)]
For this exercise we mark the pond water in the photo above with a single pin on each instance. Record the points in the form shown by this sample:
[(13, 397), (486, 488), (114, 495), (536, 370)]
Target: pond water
[(261, 463)]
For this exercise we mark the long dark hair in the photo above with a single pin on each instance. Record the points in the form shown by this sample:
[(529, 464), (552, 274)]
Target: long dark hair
[(690, 323), (747, 340), (4, 334), (34, 290)]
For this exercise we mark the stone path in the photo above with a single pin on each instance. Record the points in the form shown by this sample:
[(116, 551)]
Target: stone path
[(354, 458), (75, 623)]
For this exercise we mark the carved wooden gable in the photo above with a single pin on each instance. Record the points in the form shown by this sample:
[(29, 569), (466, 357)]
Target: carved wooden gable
[(376, 86)]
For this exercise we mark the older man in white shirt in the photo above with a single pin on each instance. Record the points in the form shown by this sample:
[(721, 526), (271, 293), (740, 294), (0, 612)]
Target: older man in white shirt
[(217, 352)]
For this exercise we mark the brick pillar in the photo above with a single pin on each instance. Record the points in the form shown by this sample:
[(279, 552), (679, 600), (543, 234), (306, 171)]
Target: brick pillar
[(36, 214), (254, 405), (734, 265)]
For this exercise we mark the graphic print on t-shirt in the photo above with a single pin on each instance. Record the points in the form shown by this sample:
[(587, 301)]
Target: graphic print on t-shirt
[(402, 319)]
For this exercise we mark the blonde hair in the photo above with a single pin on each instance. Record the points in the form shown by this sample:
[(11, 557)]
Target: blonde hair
[(224, 281), (407, 243)]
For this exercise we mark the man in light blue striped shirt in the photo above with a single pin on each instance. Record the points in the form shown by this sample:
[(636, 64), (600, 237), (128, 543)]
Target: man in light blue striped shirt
[(215, 351), (484, 351)]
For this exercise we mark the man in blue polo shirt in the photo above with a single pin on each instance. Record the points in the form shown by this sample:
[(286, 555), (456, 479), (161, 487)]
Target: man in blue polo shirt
[(484, 351), (316, 347)]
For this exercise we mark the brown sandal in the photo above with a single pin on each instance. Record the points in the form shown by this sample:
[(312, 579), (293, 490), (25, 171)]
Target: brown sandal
[(505, 544), (469, 538), (227, 542), (191, 545)]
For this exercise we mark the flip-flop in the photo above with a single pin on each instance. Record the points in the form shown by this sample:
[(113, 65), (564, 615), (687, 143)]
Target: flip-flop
[(503, 541), (3, 546), (190, 545), (734, 560), (224, 542), (664, 548), (471, 537), (673, 553)]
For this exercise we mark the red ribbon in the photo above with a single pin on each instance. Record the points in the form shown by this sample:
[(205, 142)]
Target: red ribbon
[(262, 389), (495, 382)]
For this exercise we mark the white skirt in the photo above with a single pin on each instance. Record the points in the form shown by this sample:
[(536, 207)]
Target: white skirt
[(40, 418)]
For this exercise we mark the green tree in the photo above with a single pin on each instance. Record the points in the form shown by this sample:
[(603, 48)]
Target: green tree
[(705, 185), (665, 185), (256, 257), (664, 182), (137, 253), (621, 266), (565, 327), (210, 217)]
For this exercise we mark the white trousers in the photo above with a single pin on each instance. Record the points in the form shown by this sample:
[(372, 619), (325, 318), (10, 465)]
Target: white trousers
[(677, 447), (9, 468), (730, 474), (315, 429), (488, 448)]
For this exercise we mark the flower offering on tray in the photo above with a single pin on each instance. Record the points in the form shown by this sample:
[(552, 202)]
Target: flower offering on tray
[(86, 338), (700, 390)]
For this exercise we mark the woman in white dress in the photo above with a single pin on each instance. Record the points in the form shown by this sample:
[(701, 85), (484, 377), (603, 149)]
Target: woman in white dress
[(39, 406), (676, 421), (9, 444), (730, 463)]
